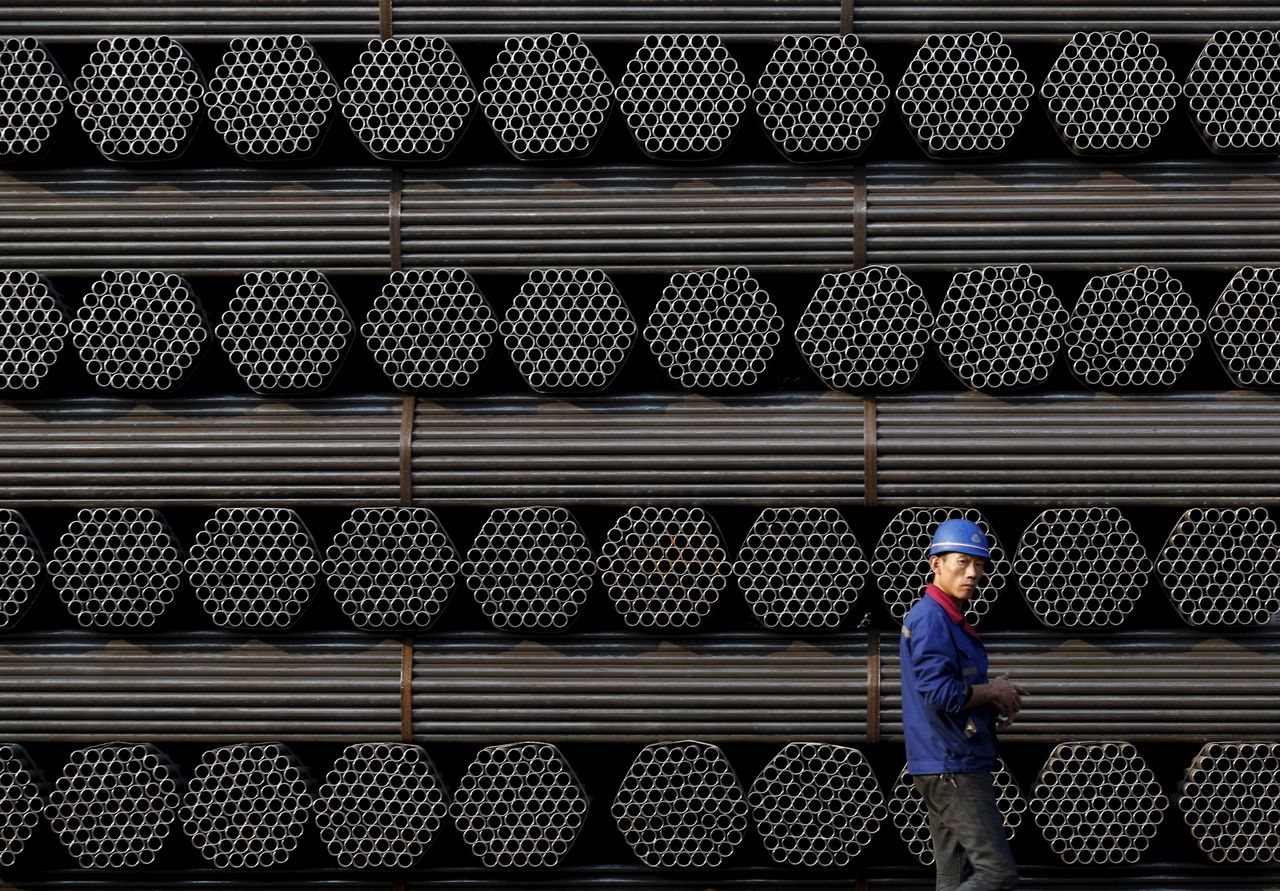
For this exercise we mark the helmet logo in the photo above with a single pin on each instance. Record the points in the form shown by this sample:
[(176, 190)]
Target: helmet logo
[(975, 538)]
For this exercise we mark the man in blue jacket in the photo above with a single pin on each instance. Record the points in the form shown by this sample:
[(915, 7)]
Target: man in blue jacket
[(949, 713)]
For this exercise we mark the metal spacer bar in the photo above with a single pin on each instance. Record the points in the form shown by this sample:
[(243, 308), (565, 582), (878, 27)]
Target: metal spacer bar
[(869, 458), (873, 685), (406, 450)]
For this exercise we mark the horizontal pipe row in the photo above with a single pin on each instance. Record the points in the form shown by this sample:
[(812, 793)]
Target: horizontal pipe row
[(682, 97), (679, 804)]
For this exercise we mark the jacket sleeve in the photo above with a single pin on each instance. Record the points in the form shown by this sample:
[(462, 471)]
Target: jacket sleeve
[(936, 668)]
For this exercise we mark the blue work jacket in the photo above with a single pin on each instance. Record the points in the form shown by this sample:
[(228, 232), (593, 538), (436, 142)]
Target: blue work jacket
[(939, 658)]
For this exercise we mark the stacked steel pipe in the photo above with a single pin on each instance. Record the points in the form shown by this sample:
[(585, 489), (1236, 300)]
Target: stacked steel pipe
[(139, 330), (519, 806), (821, 98), (1221, 566), (715, 329), (664, 567), (999, 328), (253, 567), (1097, 802), (547, 97), (247, 805), (1081, 567), (911, 817), (430, 329), (800, 567), (1133, 329), (34, 329), (964, 95), (408, 98), (1110, 93), (21, 567), (35, 94), (1244, 322), (866, 330), (1231, 92), (568, 329), (683, 96), (285, 330), (1230, 799), (530, 568), (901, 570), (115, 805), (680, 805), (381, 806), (817, 804), (391, 567), (272, 97), (116, 568), (137, 98), (22, 798)]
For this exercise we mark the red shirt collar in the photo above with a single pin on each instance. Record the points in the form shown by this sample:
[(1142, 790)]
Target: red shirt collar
[(949, 605)]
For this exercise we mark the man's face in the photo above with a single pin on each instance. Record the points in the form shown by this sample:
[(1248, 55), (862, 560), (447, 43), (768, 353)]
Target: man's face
[(957, 574)]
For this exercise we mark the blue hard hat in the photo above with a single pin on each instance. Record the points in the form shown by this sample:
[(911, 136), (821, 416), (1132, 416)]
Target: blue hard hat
[(963, 536)]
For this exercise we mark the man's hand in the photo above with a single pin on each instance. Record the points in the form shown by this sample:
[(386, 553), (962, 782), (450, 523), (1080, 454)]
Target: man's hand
[(1003, 693)]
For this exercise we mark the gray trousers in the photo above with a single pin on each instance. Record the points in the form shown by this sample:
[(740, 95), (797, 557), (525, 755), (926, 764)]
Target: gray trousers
[(969, 839)]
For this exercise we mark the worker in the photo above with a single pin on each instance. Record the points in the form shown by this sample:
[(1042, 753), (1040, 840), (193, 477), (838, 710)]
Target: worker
[(950, 710)]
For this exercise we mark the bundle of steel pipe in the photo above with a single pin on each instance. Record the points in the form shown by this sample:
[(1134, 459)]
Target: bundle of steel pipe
[(116, 567), (115, 804), (1069, 215), (1231, 92), (100, 452), (901, 570), (77, 686), (139, 330), (530, 568), (1230, 800), (34, 328), (1081, 567), (1245, 324), (1159, 685), (800, 567), (714, 329), (519, 806), (664, 567), (1184, 450), (23, 792), (616, 20), (1133, 329), (203, 21), (866, 330), (683, 96), (911, 818), (507, 451), (430, 329), (195, 221), (272, 97), (35, 95), (381, 806), (21, 567), (820, 97), (964, 95), (285, 330), (391, 567), (547, 97), (1110, 93), (408, 98), (627, 688), (253, 567), (247, 805), (1054, 21), (1097, 802), (999, 328), (1221, 566), (138, 98), (628, 218), (817, 804), (568, 330), (680, 805)]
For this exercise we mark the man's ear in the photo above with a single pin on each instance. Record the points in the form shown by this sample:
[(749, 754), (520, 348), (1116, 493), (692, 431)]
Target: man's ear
[(934, 562)]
